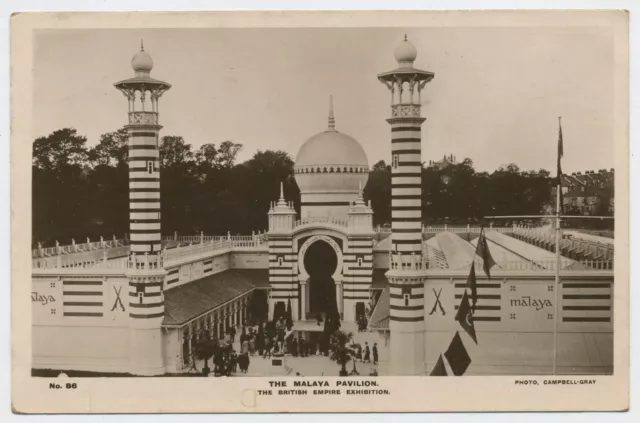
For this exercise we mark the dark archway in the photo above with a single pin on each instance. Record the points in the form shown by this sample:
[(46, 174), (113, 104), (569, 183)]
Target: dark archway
[(321, 261)]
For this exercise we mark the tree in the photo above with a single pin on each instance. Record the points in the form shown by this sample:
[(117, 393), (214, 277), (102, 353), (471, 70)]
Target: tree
[(174, 151), (378, 192), (112, 149), (204, 350), (341, 351), (227, 153), (59, 150)]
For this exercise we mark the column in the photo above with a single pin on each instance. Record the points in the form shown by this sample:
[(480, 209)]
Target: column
[(339, 296), (190, 338), (303, 300)]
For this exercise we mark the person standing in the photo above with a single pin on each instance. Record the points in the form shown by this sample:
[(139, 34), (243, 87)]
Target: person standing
[(374, 350), (358, 352), (367, 353), (232, 333)]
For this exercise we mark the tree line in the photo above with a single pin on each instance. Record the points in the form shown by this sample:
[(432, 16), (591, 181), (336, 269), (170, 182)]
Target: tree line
[(81, 191)]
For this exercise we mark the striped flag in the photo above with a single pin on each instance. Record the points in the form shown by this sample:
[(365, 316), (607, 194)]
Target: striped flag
[(82, 298)]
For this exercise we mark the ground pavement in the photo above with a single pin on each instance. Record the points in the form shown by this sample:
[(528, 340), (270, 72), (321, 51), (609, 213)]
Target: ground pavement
[(311, 365)]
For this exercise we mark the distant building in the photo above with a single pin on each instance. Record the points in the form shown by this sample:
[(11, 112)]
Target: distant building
[(587, 193), (446, 161)]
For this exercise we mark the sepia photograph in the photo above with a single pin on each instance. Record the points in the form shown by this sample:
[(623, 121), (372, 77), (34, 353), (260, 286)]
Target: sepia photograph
[(295, 203)]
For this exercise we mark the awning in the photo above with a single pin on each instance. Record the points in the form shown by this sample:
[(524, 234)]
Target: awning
[(380, 316), (193, 299)]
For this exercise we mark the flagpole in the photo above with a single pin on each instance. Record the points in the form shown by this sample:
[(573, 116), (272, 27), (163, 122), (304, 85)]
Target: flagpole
[(557, 284)]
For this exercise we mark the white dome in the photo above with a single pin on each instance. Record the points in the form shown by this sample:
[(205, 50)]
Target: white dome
[(331, 162), (331, 148), (142, 62), (406, 52)]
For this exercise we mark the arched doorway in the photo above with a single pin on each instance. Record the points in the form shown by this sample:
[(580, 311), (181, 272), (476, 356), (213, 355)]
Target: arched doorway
[(320, 262)]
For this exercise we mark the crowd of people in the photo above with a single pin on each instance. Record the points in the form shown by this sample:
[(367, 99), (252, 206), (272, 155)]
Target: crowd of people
[(270, 339)]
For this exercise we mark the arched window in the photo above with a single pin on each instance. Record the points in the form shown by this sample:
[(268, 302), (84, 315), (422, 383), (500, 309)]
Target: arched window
[(396, 160), (150, 167)]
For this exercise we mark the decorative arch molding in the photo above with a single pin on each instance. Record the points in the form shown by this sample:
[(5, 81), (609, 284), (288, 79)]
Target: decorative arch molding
[(303, 274)]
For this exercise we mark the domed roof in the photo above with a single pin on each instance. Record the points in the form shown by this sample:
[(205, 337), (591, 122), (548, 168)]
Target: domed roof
[(142, 62), (331, 148), (406, 52)]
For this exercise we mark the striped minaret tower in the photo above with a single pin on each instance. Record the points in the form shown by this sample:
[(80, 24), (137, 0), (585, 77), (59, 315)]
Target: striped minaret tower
[(407, 263), (146, 272), (142, 93)]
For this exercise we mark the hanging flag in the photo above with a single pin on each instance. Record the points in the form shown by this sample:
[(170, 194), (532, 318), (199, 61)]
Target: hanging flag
[(471, 284), (560, 154), (483, 251), (439, 369), (457, 356), (465, 318)]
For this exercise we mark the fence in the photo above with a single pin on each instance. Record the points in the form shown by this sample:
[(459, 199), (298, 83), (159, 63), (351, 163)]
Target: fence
[(77, 248), (452, 229)]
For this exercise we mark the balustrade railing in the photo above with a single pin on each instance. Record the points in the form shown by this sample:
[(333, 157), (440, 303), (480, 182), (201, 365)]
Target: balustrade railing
[(321, 219), (453, 229), (78, 248)]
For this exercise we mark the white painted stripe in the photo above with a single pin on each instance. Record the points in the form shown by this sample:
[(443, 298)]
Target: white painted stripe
[(405, 203), (406, 191), (406, 225), (406, 213), (146, 226), (404, 236), (135, 153), (136, 195), (145, 184), (406, 180), (154, 205), (409, 248), (134, 216), (405, 134), (142, 140), (404, 157), (145, 237)]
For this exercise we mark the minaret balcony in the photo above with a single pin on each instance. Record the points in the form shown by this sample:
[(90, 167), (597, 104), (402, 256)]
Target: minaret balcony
[(405, 110), (143, 118)]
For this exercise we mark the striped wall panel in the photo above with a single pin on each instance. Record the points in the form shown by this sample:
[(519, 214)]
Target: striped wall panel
[(586, 302), (82, 298), (173, 275), (144, 190), (406, 302), (282, 280), (146, 300), (357, 269), (489, 306)]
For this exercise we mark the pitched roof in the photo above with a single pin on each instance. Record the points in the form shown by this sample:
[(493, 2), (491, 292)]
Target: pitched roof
[(380, 315), (380, 281), (189, 301)]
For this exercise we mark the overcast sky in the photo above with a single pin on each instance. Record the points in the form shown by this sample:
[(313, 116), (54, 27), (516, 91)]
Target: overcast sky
[(495, 98)]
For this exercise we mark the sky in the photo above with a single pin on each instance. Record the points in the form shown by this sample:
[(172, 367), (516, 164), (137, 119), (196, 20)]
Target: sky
[(495, 98)]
